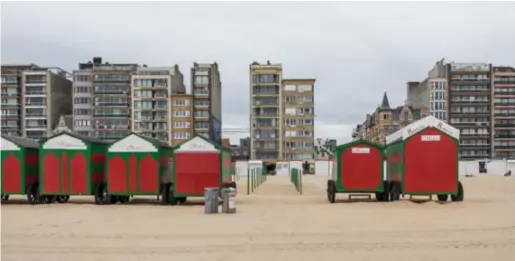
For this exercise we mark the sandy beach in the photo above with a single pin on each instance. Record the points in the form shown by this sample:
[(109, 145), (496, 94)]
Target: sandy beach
[(273, 223)]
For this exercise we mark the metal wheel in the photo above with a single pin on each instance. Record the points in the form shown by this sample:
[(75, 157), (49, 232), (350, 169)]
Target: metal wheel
[(48, 199), (5, 197), (171, 197), (33, 194), (331, 191), (62, 199), (101, 195), (165, 194), (460, 195), (442, 198)]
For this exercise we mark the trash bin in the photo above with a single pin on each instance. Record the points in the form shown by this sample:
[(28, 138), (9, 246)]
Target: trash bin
[(210, 200), (229, 200)]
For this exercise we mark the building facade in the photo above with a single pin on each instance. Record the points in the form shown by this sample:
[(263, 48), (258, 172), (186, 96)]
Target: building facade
[(207, 101), (182, 123), (470, 107), (102, 99), (265, 111), (386, 120), (33, 99), (298, 119), (503, 134), (151, 106), (282, 115), (431, 93)]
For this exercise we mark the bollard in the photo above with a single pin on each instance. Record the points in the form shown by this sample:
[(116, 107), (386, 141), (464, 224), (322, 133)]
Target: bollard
[(248, 181), (210, 200), (229, 200)]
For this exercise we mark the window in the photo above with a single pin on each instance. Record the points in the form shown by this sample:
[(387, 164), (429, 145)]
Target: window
[(202, 113), (181, 124), (82, 112), (181, 135), (290, 88), (35, 79), (201, 125), (290, 111), (149, 83), (181, 102), (82, 89), (201, 102), (265, 78), (82, 123), (201, 79), (305, 88), (142, 94), (9, 79), (112, 78), (181, 113), (82, 100), (82, 78)]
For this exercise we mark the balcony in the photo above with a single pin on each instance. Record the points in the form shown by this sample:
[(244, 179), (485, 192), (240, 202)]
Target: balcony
[(504, 147)]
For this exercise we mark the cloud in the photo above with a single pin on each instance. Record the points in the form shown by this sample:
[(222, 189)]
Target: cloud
[(356, 51)]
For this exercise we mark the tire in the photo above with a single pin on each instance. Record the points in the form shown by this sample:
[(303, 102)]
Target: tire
[(101, 195), (33, 194), (331, 191), (442, 198), (380, 196), (165, 194), (62, 199), (459, 195), (233, 185), (114, 199), (172, 200), (181, 200), (395, 192), (124, 199), (5, 197), (48, 199)]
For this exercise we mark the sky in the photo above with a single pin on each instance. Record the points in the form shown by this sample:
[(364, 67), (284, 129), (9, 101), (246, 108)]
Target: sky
[(355, 50)]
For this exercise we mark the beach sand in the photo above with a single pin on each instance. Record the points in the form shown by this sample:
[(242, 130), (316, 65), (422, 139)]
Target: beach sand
[(273, 223)]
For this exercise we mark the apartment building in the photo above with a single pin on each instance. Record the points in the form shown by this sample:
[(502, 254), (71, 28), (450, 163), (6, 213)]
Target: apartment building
[(102, 99), (386, 120), (207, 100), (151, 108), (503, 134), (182, 118), (470, 107), (33, 99), (298, 119), (430, 93), (265, 111)]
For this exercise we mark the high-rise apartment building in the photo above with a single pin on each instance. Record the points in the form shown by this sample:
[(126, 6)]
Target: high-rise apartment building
[(102, 99), (206, 87), (503, 134), (281, 115), (151, 106), (470, 107), (469, 104), (182, 117), (298, 119), (265, 111), (33, 99)]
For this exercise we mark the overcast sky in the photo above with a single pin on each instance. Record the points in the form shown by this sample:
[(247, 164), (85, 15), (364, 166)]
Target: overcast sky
[(356, 51)]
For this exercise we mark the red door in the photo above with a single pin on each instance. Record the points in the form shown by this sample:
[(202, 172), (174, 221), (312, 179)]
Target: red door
[(196, 171)]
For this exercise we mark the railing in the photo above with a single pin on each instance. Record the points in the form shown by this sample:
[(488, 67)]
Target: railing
[(255, 177), (296, 179)]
